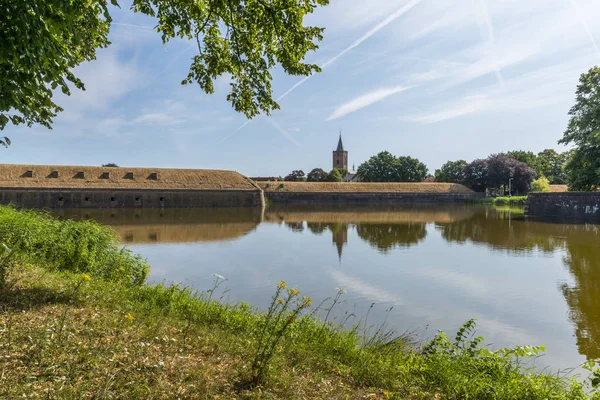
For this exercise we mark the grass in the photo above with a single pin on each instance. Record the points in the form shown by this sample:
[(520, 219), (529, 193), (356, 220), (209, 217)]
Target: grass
[(501, 201), (66, 245), (68, 335)]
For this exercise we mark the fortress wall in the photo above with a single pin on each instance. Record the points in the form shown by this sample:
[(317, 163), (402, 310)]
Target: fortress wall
[(366, 198), (569, 205), (129, 198)]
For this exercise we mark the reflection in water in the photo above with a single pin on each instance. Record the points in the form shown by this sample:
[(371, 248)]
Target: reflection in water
[(173, 225), (581, 243), (583, 260), (391, 230), (388, 237)]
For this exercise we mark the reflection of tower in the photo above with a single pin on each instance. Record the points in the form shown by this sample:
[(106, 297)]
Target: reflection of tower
[(340, 157), (339, 237)]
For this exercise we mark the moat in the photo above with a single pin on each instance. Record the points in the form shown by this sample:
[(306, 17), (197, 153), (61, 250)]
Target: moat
[(435, 266)]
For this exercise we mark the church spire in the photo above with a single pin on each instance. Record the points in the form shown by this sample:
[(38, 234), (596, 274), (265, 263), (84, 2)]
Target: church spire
[(340, 146)]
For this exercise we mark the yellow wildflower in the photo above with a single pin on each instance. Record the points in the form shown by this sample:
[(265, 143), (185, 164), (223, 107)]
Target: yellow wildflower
[(280, 301), (294, 292), (307, 301), (281, 285), (129, 316), (86, 277)]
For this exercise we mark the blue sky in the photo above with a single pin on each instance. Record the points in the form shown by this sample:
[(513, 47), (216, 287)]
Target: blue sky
[(434, 79)]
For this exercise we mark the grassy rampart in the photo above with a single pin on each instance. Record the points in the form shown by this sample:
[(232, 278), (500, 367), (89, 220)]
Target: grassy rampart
[(73, 325)]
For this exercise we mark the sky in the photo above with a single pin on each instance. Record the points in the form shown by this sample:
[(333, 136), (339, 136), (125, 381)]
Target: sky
[(437, 80)]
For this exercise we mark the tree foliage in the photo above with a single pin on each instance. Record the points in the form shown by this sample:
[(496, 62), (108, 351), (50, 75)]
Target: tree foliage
[(41, 41), (295, 176), (111, 164), (451, 172), (335, 175), (385, 167), (317, 175), (583, 130), (499, 172), (476, 175), (540, 185), (551, 164)]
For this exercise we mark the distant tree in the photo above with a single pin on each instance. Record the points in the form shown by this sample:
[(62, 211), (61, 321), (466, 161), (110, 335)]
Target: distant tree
[(385, 167), (295, 176), (583, 130), (551, 164), (501, 168), (540, 185), (110, 165), (526, 157), (334, 175), (316, 175), (410, 169), (451, 172), (379, 168), (476, 175)]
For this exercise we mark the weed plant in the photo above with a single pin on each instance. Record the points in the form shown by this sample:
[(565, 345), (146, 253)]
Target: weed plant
[(66, 245)]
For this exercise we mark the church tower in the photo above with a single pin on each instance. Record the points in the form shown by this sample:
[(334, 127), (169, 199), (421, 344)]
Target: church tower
[(340, 157)]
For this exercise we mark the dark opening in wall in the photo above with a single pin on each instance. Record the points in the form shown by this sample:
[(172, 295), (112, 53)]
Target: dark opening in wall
[(162, 199), (61, 198), (79, 175), (27, 174), (53, 174), (153, 237), (153, 176), (128, 175), (138, 198), (128, 237), (87, 198), (113, 199), (105, 175)]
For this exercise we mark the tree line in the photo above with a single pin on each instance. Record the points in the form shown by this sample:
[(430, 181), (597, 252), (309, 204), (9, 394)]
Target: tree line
[(516, 170), (316, 175)]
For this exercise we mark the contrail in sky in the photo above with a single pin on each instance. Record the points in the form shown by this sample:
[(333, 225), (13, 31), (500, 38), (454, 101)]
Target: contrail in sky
[(585, 26), (394, 16), (278, 128), (487, 21)]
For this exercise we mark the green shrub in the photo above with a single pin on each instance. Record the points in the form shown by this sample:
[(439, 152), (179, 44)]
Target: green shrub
[(540, 185), (510, 201), (77, 246)]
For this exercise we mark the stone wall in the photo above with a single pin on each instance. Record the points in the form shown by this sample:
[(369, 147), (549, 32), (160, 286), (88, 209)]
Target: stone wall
[(129, 198), (315, 198), (569, 205)]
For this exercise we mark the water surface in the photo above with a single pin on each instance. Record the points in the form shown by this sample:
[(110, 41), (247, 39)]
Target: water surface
[(526, 281)]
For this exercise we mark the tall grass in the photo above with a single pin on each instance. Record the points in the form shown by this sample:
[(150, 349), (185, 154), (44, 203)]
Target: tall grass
[(514, 201), (66, 245)]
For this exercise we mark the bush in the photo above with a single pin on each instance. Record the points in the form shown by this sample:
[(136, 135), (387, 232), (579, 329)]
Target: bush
[(540, 185), (77, 246), (334, 176)]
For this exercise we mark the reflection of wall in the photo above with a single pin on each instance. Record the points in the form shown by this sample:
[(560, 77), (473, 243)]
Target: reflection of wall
[(581, 242), (173, 225), (389, 215)]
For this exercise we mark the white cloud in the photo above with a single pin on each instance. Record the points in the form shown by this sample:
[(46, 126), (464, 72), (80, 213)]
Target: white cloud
[(466, 106), (365, 101), (107, 79), (156, 119)]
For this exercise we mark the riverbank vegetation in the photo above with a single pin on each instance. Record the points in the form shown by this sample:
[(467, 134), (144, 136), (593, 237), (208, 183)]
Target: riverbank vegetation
[(82, 323), (513, 201)]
